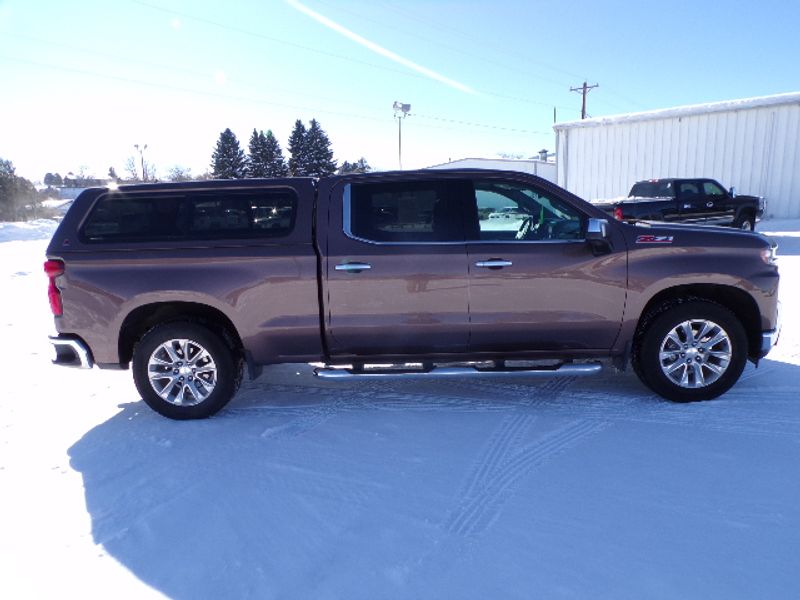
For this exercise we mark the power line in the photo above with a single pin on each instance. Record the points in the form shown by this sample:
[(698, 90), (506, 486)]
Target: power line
[(241, 98), (331, 54), (482, 125)]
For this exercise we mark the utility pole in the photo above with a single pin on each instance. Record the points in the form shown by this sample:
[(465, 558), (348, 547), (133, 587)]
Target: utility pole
[(584, 89), (400, 112)]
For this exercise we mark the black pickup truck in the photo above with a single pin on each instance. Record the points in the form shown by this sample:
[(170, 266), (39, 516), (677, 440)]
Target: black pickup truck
[(698, 201)]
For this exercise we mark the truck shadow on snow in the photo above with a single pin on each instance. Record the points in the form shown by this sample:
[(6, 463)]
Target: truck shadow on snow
[(302, 486)]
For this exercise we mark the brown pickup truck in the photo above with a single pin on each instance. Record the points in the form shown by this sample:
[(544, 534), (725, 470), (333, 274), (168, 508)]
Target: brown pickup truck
[(411, 274)]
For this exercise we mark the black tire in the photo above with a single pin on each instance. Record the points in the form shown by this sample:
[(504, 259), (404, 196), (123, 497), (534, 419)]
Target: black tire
[(745, 222), (189, 389), (687, 370)]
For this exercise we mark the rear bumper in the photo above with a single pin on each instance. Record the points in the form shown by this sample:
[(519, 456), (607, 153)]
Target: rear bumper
[(71, 351)]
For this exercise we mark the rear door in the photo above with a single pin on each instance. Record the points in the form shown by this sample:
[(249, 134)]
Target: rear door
[(535, 284), (395, 277)]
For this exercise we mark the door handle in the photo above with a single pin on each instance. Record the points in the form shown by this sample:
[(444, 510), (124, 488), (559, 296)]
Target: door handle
[(353, 267), (494, 263)]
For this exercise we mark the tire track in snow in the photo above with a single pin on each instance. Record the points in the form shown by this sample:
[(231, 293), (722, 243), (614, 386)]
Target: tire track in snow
[(484, 497)]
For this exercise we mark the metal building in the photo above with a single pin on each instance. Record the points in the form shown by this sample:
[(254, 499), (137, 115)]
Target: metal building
[(751, 144), (542, 168)]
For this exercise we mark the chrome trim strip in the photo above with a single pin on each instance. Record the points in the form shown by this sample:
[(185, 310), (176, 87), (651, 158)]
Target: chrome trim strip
[(78, 347), (564, 370)]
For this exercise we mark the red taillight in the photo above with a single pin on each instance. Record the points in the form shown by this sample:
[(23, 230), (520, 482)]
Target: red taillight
[(618, 213), (54, 268)]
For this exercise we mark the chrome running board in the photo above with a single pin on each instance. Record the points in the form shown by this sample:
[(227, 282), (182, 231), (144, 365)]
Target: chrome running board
[(573, 370)]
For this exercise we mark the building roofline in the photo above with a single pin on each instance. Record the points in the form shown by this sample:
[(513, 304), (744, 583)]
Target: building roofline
[(508, 160), (685, 111)]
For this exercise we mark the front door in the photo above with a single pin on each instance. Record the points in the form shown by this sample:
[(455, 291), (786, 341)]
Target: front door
[(535, 284), (395, 271)]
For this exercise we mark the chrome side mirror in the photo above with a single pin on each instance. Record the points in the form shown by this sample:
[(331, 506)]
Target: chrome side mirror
[(733, 191), (597, 236)]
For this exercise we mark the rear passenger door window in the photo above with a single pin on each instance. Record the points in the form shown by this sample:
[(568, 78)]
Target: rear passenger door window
[(407, 212)]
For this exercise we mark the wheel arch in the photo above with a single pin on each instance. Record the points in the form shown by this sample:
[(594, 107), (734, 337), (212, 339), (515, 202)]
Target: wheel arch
[(739, 302), (143, 318)]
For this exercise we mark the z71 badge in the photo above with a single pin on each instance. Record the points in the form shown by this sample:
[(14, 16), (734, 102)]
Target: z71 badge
[(654, 239)]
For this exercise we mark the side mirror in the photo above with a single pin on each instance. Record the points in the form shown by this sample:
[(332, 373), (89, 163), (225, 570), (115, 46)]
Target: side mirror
[(597, 236), (733, 191)]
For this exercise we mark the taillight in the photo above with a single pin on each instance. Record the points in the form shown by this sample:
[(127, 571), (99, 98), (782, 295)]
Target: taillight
[(54, 268), (618, 213)]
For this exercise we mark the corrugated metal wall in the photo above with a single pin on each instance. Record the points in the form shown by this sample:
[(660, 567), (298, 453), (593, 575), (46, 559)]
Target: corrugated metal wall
[(754, 149)]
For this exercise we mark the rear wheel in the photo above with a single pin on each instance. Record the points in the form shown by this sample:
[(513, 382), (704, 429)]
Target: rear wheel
[(691, 351), (185, 371)]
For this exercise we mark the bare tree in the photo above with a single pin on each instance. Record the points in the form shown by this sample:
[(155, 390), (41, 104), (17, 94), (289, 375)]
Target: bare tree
[(179, 173)]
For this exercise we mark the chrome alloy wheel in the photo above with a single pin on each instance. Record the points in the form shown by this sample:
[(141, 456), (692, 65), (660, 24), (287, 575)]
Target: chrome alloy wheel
[(182, 372), (695, 353)]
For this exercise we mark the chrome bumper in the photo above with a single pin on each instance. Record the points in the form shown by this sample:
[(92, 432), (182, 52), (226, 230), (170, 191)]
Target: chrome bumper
[(71, 352), (769, 340)]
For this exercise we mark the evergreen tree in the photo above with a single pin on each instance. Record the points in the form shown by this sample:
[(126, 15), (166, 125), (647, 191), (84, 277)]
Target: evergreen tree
[(257, 162), (298, 158), (266, 157), (228, 160), (318, 151), (276, 165), (17, 195)]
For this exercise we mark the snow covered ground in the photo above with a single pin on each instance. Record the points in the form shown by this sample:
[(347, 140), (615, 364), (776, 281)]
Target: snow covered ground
[(569, 488)]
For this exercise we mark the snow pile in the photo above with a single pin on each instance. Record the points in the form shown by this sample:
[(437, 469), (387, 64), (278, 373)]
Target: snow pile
[(39, 229)]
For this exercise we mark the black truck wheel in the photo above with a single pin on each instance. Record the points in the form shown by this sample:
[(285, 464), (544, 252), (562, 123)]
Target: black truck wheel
[(185, 371), (695, 350), (745, 222)]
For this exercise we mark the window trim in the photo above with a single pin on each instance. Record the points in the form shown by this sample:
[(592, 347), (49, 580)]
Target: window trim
[(347, 230)]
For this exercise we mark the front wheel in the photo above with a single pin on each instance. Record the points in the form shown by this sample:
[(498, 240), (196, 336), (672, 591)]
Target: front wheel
[(185, 371), (691, 351), (745, 223)]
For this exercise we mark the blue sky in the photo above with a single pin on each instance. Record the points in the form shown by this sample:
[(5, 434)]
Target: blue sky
[(84, 81)]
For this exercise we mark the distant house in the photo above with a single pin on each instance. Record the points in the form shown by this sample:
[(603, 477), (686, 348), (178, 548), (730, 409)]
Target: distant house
[(544, 169)]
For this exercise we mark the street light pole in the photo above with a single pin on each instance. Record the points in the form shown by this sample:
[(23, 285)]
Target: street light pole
[(141, 156), (400, 112)]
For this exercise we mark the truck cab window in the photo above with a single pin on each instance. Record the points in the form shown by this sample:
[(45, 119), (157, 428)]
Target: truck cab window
[(509, 211), (712, 189)]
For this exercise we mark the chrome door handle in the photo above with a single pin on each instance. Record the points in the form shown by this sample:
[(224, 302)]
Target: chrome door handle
[(353, 267), (494, 263)]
